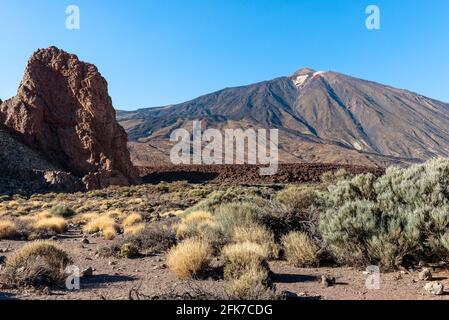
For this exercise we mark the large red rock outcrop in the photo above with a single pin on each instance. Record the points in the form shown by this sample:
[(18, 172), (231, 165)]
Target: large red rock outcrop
[(63, 109)]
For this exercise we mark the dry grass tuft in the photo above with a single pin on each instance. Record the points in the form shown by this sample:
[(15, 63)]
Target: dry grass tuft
[(252, 285), (240, 257), (8, 229), (300, 250), (132, 219), (189, 258), (257, 234), (134, 229), (105, 224), (192, 223), (56, 224), (36, 264)]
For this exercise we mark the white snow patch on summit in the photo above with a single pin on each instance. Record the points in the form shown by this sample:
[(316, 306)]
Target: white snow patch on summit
[(318, 73), (299, 80)]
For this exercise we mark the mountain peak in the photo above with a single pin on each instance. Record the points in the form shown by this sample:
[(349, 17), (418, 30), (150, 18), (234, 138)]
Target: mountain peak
[(304, 71)]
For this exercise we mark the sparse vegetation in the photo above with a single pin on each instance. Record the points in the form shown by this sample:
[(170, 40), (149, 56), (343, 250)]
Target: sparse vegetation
[(132, 219), (36, 264), (400, 217), (8, 229), (189, 258), (55, 224), (257, 234), (300, 250), (62, 210), (241, 256), (105, 224)]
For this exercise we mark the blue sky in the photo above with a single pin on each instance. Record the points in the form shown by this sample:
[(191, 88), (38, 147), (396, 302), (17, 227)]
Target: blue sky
[(162, 52)]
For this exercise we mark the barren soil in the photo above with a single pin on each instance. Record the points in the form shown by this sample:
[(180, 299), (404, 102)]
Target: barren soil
[(150, 276)]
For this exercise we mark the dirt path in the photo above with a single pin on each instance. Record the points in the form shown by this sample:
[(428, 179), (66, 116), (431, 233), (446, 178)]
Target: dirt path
[(114, 278)]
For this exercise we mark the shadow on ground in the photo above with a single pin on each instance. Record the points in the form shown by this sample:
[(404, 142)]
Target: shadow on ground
[(103, 279), (293, 278)]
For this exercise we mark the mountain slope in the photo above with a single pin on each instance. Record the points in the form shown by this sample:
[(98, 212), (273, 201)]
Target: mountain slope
[(322, 117)]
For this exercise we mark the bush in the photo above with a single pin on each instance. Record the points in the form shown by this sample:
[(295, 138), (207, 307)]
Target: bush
[(240, 257), (36, 264), (191, 222), (8, 229), (128, 250), (282, 218), (330, 177), (300, 250), (105, 224), (132, 219), (400, 217), (189, 258), (55, 224), (154, 238), (254, 284), (62, 210), (257, 234), (134, 229), (231, 215)]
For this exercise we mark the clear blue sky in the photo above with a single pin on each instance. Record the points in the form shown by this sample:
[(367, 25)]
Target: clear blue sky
[(155, 52)]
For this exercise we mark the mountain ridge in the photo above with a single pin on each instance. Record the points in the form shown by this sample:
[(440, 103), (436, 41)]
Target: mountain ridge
[(323, 108)]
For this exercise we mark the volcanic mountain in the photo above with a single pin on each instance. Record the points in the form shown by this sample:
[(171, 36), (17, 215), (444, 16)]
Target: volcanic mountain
[(321, 117)]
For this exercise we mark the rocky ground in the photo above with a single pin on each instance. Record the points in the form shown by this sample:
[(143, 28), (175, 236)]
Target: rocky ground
[(119, 278), (147, 276)]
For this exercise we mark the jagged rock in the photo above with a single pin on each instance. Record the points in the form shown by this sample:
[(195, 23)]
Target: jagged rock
[(88, 272), (435, 288), (425, 275), (327, 281), (63, 109)]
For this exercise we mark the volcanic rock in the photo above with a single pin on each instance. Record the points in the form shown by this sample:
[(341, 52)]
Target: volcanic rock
[(63, 109)]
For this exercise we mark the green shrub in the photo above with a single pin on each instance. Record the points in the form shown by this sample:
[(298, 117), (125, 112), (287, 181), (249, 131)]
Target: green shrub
[(62, 210), (401, 216), (241, 214)]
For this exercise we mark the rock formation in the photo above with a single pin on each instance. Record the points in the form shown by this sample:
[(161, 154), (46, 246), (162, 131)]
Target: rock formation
[(63, 109)]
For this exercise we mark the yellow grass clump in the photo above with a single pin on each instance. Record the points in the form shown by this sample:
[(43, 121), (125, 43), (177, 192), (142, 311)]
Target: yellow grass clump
[(132, 219), (8, 229), (251, 285), (245, 254), (56, 224), (300, 250), (105, 224), (54, 257), (134, 229), (192, 223), (257, 234), (116, 214), (85, 217), (189, 258)]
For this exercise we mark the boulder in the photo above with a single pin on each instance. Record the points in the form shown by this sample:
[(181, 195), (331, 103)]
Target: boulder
[(63, 109), (434, 288)]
